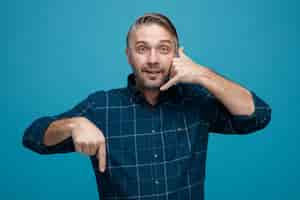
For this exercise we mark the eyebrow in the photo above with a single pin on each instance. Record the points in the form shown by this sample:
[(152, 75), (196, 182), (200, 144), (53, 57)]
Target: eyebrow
[(161, 41), (166, 41), (140, 42)]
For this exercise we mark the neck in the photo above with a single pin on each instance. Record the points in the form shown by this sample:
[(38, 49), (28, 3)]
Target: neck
[(151, 95)]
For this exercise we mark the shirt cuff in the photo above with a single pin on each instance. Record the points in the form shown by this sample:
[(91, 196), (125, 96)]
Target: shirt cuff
[(257, 120)]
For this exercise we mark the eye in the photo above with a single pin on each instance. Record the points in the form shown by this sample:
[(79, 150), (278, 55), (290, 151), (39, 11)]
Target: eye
[(141, 49), (164, 49)]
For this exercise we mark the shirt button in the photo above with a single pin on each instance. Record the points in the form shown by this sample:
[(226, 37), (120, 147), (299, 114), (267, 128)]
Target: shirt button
[(155, 155), (156, 182), (153, 131)]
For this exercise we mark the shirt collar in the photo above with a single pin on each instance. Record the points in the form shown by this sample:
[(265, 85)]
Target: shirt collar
[(172, 94)]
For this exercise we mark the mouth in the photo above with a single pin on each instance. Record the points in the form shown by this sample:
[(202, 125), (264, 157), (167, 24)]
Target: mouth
[(152, 71), (151, 74)]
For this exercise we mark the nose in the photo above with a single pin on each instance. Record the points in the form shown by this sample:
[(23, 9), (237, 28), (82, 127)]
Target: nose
[(153, 57)]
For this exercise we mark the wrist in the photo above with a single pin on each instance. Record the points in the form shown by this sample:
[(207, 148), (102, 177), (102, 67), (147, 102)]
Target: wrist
[(203, 74), (73, 123)]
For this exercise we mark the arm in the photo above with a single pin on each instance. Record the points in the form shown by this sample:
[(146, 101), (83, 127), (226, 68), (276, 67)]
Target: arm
[(236, 109), (33, 138), (59, 131), (237, 99), (34, 134), (67, 132)]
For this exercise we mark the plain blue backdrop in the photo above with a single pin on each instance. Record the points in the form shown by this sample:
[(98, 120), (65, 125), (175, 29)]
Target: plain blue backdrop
[(56, 52)]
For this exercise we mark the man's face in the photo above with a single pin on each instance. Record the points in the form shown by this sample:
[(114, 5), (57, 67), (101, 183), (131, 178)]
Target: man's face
[(150, 53)]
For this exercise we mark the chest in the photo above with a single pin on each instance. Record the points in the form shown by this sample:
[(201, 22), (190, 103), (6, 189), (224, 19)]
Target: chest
[(173, 129)]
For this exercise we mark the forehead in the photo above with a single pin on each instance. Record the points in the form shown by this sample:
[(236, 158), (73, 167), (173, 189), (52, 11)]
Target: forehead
[(151, 33)]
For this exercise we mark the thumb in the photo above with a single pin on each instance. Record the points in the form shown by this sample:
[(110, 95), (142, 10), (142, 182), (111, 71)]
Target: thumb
[(170, 83)]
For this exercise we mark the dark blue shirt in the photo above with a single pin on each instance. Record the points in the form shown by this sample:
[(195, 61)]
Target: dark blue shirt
[(153, 152)]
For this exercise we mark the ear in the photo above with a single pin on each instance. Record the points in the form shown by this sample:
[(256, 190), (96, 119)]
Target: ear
[(127, 52)]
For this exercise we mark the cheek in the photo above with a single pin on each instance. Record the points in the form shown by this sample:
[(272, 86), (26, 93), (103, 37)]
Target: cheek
[(138, 60)]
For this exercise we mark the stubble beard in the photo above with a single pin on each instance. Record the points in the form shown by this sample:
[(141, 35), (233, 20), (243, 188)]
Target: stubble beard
[(153, 84)]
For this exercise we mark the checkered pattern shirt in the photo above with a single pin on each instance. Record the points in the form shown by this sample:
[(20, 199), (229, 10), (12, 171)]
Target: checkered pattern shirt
[(153, 152)]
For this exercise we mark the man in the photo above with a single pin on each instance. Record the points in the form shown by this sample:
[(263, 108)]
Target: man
[(149, 140)]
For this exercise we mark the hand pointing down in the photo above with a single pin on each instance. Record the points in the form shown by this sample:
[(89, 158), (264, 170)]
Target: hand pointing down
[(89, 140)]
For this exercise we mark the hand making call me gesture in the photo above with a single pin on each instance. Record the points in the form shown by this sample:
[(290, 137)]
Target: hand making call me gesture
[(183, 70), (90, 140)]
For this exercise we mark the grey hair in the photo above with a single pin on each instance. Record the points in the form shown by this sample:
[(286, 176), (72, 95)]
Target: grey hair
[(154, 18)]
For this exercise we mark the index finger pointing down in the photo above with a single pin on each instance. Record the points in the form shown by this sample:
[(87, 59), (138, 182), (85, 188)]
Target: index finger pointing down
[(101, 155)]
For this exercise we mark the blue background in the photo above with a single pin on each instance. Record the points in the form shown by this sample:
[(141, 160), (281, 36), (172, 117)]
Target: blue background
[(56, 52)]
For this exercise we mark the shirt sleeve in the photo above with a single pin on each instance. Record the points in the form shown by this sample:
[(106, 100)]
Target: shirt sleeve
[(224, 122), (34, 133)]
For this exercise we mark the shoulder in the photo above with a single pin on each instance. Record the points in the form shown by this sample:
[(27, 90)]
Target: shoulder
[(102, 97)]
